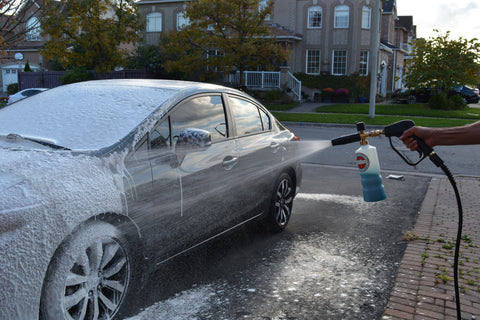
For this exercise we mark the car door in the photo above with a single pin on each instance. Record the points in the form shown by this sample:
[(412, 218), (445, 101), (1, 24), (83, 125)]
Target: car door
[(155, 200), (260, 151), (206, 173)]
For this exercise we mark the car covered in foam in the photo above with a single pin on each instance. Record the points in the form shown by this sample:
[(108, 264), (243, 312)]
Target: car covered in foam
[(102, 181)]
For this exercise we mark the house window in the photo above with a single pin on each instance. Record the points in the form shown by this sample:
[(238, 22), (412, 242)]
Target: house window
[(363, 63), (154, 22), (314, 17), (339, 67), (342, 14), (33, 30), (366, 17), (213, 56), (182, 21), (313, 62)]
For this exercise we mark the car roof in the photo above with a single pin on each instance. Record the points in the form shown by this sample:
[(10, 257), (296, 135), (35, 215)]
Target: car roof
[(95, 114)]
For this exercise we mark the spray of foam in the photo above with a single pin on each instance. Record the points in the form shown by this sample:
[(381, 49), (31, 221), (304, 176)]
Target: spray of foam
[(311, 146)]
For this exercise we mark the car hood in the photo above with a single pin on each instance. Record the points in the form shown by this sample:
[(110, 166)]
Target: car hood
[(32, 178)]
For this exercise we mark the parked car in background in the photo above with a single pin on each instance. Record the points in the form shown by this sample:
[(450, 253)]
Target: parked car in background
[(411, 96), (467, 93), (24, 94), (423, 95), (102, 181)]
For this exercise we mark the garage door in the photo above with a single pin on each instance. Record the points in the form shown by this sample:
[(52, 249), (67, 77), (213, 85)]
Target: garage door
[(9, 76)]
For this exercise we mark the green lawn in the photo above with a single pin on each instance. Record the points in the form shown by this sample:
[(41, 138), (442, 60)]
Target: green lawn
[(384, 114)]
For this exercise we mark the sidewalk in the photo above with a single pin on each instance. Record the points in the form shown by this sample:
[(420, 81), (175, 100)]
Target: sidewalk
[(424, 285)]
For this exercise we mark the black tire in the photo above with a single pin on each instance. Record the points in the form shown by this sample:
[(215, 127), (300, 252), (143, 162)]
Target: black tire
[(89, 275), (281, 203)]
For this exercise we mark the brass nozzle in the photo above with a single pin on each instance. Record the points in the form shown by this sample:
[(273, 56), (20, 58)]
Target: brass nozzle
[(365, 135)]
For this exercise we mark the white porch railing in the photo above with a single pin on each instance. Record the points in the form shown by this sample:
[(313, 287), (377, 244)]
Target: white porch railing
[(268, 79), (262, 79), (257, 79), (294, 85)]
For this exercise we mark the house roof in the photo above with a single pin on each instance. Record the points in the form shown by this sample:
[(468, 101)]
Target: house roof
[(388, 6), (405, 22), (389, 45), (281, 32)]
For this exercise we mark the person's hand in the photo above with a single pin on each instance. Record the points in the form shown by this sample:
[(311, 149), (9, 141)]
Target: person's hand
[(426, 134)]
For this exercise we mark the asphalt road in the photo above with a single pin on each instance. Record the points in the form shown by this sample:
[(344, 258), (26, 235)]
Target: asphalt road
[(336, 260)]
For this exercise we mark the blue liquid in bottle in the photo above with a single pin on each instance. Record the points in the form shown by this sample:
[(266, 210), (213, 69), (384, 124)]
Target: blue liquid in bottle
[(369, 167), (373, 189)]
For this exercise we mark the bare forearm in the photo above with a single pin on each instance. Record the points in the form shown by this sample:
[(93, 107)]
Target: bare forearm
[(469, 134), (463, 135)]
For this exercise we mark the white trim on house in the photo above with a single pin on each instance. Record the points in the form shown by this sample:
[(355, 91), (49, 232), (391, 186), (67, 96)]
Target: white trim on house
[(10, 72)]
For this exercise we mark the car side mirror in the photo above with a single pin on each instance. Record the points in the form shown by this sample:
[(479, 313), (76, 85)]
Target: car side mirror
[(193, 139)]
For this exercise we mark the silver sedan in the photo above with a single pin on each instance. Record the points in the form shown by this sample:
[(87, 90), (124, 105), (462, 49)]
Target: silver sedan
[(102, 181)]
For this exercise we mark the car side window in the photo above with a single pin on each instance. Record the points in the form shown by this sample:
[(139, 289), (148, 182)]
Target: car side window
[(265, 120), (160, 136), (246, 116), (204, 112)]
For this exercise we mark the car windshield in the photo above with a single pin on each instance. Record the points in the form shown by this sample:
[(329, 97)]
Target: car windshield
[(88, 116)]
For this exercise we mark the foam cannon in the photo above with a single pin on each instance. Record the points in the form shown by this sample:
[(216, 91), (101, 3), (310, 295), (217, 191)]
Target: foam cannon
[(366, 156)]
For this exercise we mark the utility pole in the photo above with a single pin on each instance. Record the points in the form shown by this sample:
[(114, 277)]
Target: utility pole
[(374, 64)]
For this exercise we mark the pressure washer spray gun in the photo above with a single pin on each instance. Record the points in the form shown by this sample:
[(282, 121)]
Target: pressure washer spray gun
[(367, 158), (373, 190)]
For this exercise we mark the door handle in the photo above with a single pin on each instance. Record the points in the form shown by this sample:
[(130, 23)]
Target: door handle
[(275, 147), (229, 162)]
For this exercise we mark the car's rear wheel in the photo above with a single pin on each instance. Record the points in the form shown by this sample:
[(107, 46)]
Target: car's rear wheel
[(281, 203), (89, 275)]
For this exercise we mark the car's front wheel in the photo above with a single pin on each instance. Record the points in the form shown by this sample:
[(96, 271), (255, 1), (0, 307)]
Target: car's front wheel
[(89, 275), (281, 203)]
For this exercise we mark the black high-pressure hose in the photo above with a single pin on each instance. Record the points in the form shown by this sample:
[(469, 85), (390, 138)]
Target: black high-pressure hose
[(458, 240)]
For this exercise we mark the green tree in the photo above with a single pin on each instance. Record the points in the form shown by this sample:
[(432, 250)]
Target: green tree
[(90, 33), (27, 67), (225, 35), (443, 63), (151, 58)]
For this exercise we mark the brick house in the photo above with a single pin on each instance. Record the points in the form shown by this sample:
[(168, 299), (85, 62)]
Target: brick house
[(326, 36), (26, 44), (397, 32)]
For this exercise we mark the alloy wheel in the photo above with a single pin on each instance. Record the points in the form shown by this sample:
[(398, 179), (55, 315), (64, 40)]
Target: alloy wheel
[(283, 201)]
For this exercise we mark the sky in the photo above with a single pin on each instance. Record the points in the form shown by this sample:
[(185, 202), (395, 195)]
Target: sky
[(460, 17)]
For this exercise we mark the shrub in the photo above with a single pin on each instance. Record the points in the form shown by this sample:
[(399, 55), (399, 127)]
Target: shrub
[(341, 92), (27, 67), (456, 102), (327, 91), (76, 75), (12, 88), (438, 102), (273, 95), (357, 85)]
